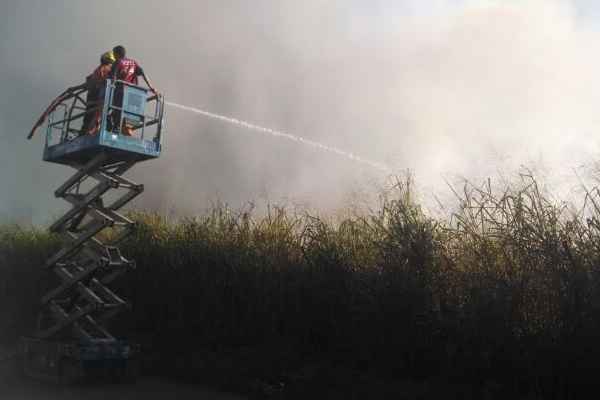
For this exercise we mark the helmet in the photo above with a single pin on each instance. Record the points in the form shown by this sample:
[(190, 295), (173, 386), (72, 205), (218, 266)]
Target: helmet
[(107, 58)]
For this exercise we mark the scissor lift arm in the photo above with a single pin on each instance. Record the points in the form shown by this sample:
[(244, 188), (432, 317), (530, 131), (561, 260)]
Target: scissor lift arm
[(73, 326)]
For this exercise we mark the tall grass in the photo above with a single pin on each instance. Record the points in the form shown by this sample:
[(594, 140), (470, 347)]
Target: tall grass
[(22, 253), (508, 289)]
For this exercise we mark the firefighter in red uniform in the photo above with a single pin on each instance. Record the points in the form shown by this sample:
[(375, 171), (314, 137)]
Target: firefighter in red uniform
[(95, 97), (126, 70)]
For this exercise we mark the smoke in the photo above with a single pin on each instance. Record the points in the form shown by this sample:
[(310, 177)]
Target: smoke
[(443, 88), (248, 126)]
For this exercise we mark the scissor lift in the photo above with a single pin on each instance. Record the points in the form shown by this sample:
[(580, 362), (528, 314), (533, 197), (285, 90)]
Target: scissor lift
[(72, 340)]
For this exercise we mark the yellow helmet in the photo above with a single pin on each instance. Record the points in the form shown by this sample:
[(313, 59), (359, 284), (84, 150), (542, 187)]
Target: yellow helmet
[(107, 58)]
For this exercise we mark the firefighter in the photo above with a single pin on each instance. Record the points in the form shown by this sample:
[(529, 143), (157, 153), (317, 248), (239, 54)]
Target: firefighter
[(126, 70), (96, 83)]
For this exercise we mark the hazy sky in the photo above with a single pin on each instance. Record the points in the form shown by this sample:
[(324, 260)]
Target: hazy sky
[(441, 87)]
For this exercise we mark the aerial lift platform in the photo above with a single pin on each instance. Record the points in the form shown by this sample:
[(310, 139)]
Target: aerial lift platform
[(72, 340)]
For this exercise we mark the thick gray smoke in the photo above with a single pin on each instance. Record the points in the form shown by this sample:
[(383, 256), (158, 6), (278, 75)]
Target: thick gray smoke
[(443, 88)]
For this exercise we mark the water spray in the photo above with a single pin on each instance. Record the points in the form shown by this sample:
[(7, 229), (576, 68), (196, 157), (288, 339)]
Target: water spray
[(276, 133)]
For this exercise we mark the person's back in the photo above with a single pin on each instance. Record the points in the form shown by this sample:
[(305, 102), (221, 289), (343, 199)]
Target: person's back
[(95, 97), (98, 78), (125, 70), (101, 73)]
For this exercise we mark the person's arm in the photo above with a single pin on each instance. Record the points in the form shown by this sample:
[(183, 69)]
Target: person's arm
[(149, 85), (140, 72)]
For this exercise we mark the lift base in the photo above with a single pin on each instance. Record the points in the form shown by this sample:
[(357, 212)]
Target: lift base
[(71, 363)]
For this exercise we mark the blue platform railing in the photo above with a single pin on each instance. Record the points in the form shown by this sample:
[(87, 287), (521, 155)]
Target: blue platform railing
[(131, 119)]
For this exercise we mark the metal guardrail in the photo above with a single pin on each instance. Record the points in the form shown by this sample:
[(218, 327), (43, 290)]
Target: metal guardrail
[(66, 122)]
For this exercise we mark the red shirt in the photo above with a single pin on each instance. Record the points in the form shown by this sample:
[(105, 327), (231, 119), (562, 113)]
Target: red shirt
[(127, 70)]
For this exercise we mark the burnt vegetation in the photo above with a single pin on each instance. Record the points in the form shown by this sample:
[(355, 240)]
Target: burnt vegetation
[(502, 299)]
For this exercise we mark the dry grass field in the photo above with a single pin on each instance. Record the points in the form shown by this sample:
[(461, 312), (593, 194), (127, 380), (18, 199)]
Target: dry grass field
[(504, 295)]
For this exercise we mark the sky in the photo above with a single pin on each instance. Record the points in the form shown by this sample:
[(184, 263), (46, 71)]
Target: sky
[(444, 88)]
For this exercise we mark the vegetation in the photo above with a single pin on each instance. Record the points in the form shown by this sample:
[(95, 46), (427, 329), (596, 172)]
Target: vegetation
[(504, 297)]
